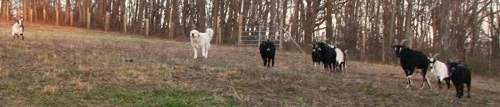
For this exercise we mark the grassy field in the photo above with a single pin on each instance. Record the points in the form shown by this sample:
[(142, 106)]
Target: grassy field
[(59, 66)]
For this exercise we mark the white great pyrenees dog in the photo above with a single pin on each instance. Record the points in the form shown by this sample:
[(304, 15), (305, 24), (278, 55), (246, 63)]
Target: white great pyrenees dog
[(201, 40)]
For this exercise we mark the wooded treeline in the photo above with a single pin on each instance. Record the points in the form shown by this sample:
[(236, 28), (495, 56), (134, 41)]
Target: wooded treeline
[(465, 29)]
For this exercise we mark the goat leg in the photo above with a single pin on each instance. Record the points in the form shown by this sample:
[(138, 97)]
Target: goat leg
[(468, 90), (425, 79), (273, 61), (408, 78), (265, 61), (439, 83)]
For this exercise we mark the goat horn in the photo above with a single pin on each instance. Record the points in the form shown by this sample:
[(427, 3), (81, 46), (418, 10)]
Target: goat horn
[(435, 55), (430, 54), (395, 41), (335, 44), (449, 60), (403, 41)]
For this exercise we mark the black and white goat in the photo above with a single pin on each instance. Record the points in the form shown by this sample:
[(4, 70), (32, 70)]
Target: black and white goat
[(340, 58), (411, 60), (316, 56), (18, 29), (328, 55), (459, 75), (267, 51), (439, 69)]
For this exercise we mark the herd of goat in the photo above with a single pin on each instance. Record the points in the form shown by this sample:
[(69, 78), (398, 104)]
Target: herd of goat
[(334, 59)]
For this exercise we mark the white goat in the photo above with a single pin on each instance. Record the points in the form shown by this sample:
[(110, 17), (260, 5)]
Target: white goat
[(201, 40), (339, 58), (438, 68), (18, 29)]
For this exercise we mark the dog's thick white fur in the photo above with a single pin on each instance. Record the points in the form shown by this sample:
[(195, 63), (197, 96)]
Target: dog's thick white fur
[(201, 40)]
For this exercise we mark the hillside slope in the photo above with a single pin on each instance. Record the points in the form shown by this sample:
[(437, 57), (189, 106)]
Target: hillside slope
[(75, 67)]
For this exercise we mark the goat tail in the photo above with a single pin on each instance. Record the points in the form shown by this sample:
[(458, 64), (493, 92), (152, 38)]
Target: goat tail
[(210, 33)]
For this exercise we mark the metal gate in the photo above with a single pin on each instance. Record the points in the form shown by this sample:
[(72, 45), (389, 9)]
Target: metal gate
[(253, 35)]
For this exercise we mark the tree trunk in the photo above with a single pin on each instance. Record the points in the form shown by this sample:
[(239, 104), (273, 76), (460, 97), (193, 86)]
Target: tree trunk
[(201, 23), (328, 17), (2, 11), (58, 8), (175, 18), (496, 40), (408, 21), (474, 30), (140, 21), (6, 8), (67, 10)]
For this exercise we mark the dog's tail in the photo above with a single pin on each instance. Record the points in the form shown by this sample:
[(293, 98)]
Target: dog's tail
[(210, 33)]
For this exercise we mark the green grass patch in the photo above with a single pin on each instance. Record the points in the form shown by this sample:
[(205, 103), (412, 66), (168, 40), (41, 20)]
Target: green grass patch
[(133, 95)]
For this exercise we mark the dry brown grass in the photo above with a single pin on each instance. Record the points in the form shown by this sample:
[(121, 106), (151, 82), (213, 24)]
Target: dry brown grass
[(50, 89), (99, 68)]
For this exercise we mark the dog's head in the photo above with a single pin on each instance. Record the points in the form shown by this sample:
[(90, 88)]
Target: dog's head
[(194, 34)]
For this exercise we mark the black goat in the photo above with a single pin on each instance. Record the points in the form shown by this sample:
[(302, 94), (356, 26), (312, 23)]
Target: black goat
[(327, 55), (316, 56), (267, 52), (459, 75), (411, 60)]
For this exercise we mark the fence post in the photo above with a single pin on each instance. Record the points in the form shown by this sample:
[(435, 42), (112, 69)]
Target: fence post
[(71, 18), (217, 28), (88, 20), (31, 15), (18, 14), (281, 32), (147, 26), (57, 16), (44, 16), (125, 23), (259, 30), (7, 10), (170, 25), (106, 23), (240, 25)]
